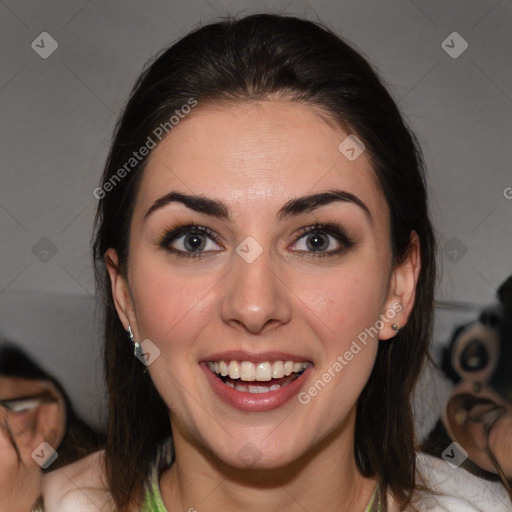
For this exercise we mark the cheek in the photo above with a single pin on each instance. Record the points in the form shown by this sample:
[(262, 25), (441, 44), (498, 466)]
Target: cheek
[(346, 301), (24, 423), (174, 304), (345, 308), (169, 304)]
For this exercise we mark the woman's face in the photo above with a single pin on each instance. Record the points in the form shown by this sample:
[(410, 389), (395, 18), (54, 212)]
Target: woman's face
[(32, 411), (250, 288)]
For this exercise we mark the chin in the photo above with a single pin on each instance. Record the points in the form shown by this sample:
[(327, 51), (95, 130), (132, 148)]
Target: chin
[(263, 451)]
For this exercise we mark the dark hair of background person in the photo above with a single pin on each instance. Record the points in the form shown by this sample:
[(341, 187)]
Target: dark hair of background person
[(255, 58), (80, 439)]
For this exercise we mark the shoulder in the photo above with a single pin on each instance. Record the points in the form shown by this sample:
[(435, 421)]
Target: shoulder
[(78, 487), (453, 489)]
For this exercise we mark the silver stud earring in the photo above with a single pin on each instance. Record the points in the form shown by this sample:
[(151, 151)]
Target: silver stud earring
[(394, 327), (136, 345)]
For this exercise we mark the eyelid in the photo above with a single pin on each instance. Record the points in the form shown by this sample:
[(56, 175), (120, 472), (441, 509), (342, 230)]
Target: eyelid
[(27, 403), (332, 229), (171, 234)]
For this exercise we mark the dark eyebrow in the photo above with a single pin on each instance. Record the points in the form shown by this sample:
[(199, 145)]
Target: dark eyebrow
[(292, 208), (197, 203), (309, 203)]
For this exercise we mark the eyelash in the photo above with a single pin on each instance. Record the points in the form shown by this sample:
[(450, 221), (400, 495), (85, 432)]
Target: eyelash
[(335, 230)]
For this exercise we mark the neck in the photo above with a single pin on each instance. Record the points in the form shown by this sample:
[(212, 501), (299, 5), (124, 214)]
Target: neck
[(325, 478)]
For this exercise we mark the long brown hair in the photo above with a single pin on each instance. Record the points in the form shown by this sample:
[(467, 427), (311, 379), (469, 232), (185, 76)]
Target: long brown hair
[(248, 59)]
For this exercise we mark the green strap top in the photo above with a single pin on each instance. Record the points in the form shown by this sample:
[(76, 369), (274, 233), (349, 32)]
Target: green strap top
[(153, 500)]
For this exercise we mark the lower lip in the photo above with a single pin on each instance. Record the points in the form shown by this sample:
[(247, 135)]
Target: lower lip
[(255, 402)]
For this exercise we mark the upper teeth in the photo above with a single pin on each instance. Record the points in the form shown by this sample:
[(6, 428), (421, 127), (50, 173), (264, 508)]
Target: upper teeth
[(248, 371)]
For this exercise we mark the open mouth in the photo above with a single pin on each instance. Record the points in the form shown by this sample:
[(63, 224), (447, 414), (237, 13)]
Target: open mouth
[(256, 378)]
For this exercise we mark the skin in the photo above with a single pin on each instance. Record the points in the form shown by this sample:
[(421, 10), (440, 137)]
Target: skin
[(20, 481), (20, 485), (255, 157), (500, 441), (472, 436)]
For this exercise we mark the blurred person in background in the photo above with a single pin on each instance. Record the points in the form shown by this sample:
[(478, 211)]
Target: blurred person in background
[(36, 419)]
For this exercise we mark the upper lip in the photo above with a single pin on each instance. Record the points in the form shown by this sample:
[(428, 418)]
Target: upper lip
[(240, 355)]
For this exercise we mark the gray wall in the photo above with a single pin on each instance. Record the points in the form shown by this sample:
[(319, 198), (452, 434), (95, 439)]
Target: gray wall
[(58, 114)]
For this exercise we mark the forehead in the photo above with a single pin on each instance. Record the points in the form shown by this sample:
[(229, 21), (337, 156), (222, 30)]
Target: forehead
[(257, 155), (13, 387)]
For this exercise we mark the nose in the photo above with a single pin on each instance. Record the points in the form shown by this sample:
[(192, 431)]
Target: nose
[(255, 298)]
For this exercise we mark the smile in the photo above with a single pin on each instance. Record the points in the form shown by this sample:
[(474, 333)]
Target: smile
[(261, 372), (256, 386)]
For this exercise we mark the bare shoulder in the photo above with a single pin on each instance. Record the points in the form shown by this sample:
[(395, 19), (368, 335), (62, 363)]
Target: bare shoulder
[(79, 487)]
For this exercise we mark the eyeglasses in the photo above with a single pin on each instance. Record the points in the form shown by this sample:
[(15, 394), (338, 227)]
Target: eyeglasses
[(28, 403)]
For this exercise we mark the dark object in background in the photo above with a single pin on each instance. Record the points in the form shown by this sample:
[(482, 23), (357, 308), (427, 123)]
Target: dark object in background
[(80, 439), (481, 352), (479, 362)]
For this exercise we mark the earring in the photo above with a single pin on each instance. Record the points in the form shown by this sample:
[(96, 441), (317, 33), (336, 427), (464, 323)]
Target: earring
[(137, 351), (394, 327)]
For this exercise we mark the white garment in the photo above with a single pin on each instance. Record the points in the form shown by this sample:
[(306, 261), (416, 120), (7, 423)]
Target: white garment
[(458, 490), (80, 487)]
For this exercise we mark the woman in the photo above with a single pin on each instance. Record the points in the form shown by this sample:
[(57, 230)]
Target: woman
[(34, 409), (264, 242)]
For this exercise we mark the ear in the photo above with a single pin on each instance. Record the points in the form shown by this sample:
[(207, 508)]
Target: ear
[(120, 291), (402, 289)]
